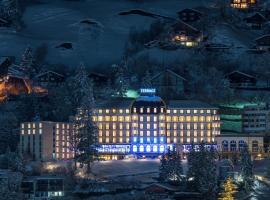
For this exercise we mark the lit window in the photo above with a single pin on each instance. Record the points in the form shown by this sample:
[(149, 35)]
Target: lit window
[(29, 125), (148, 118), (168, 111), (141, 148), (181, 111), (135, 139), (208, 111), (107, 111), (141, 140), (34, 125), (148, 139), (155, 110), (120, 111), (174, 111), (22, 132), (161, 139), (40, 131), (141, 119), (148, 133), (155, 140), (134, 148), (155, 133), (134, 110), (155, 118), (141, 110), (148, 110), (188, 111), (161, 148), (162, 110), (195, 111), (155, 148), (22, 125), (127, 110), (100, 111), (148, 148), (201, 111)]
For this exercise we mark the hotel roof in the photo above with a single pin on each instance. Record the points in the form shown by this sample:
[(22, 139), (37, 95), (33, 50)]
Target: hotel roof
[(127, 103)]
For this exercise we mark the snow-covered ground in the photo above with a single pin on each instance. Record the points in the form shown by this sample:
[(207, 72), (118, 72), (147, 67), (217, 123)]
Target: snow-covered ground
[(56, 21)]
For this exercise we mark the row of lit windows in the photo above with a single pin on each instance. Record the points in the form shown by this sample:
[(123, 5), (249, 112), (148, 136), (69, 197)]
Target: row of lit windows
[(112, 140), (31, 125), (31, 131), (148, 110), (189, 140), (154, 118), (120, 133)]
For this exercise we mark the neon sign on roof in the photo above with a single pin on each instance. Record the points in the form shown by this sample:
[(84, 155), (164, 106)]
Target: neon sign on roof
[(148, 90)]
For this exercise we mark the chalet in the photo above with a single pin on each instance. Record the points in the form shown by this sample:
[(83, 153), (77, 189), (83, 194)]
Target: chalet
[(169, 84), (184, 34), (263, 43), (239, 79), (50, 78), (255, 21), (189, 15), (243, 4), (160, 191), (99, 79)]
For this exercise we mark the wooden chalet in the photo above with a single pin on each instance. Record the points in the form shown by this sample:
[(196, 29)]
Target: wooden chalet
[(160, 191), (169, 84), (189, 15), (239, 79), (263, 42), (243, 4), (50, 78), (184, 34), (255, 21)]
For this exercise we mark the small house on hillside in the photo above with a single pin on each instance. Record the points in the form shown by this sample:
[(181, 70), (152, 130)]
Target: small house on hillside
[(239, 79), (255, 21), (189, 15), (184, 34), (50, 78), (169, 84), (263, 43)]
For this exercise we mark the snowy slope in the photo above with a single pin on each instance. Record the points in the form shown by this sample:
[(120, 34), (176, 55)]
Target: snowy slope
[(55, 22)]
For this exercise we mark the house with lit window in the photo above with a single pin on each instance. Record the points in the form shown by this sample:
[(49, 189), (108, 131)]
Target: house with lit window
[(148, 125), (243, 4), (46, 141), (184, 34), (169, 84)]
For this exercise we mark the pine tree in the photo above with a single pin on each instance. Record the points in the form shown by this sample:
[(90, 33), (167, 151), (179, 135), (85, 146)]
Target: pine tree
[(246, 168), (202, 171), (229, 189), (171, 167), (27, 62), (146, 81), (83, 140), (122, 80)]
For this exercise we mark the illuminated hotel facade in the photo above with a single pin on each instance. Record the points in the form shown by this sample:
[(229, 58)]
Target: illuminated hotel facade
[(148, 125)]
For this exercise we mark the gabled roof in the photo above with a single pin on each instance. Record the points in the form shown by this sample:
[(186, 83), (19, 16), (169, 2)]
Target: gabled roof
[(263, 38), (169, 71), (16, 71), (182, 26), (49, 72), (241, 73), (189, 9), (256, 17)]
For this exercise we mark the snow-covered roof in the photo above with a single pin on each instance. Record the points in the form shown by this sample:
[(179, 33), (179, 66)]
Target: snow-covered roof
[(188, 104), (116, 102), (16, 71), (239, 72), (169, 71), (49, 72)]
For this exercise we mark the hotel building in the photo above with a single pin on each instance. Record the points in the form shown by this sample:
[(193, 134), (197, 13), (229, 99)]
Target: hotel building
[(148, 125), (45, 141)]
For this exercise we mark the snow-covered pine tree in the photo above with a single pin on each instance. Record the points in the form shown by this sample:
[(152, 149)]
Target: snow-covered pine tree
[(84, 139), (202, 171), (175, 166), (146, 80), (246, 168), (163, 169), (26, 64), (122, 80)]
